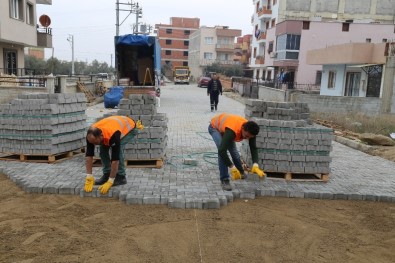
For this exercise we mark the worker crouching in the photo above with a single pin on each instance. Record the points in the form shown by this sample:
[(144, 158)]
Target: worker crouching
[(110, 133), (227, 129)]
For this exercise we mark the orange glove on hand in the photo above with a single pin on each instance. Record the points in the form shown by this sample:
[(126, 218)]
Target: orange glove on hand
[(89, 182), (139, 125), (235, 173), (106, 186), (255, 169)]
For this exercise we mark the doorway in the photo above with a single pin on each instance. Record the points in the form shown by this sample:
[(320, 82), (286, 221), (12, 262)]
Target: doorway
[(353, 81), (10, 61)]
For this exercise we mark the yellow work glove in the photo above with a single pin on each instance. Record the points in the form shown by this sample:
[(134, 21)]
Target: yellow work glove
[(139, 125), (235, 173), (255, 169), (106, 186), (89, 182)]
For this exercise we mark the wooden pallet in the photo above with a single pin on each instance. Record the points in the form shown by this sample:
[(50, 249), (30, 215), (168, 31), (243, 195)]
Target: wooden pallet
[(88, 94), (36, 158), (298, 177), (154, 163)]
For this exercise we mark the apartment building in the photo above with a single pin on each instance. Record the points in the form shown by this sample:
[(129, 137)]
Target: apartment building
[(19, 29), (285, 30), (210, 45), (174, 39), (243, 49)]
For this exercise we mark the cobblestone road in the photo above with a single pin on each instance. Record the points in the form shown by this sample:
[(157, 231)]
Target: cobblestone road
[(354, 175)]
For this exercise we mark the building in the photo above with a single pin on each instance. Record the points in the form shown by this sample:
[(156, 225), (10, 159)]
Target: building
[(174, 39), (285, 30), (243, 50), (36, 52), (210, 45), (18, 29)]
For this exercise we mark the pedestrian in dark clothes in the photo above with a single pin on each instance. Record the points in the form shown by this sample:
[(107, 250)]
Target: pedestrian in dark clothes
[(214, 88)]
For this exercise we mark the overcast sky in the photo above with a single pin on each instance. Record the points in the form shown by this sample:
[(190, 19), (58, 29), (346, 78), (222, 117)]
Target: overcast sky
[(92, 22)]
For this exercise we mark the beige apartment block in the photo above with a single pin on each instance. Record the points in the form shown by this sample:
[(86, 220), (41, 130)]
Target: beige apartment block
[(210, 45), (19, 29)]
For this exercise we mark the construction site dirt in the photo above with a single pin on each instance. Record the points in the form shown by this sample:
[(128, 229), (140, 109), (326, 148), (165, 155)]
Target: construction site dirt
[(59, 228)]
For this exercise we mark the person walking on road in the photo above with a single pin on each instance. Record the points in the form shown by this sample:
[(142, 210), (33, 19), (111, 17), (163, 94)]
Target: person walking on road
[(226, 129), (214, 88), (113, 133)]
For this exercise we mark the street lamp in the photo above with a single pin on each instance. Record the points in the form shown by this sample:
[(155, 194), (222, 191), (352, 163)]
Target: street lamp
[(71, 40)]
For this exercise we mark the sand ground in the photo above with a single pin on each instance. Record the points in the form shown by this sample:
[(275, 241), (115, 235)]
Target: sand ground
[(61, 228)]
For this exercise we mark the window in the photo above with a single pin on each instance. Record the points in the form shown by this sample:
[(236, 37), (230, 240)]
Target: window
[(185, 63), (270, 48), (318, 76), (16, 9), (168, 52), (254, 54), (267, 25), (346, 27), (208, 40), (385, 40), (273, 22), (186, 43), (187, 32), (306, 25), (169, 31), (168, 41), (331, 79), (288, 41), (167, 62), (208, 55), (368, 40), (185, 53), (29, 14)]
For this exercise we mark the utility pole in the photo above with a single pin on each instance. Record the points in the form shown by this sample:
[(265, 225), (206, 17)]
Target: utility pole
[(71, 40)]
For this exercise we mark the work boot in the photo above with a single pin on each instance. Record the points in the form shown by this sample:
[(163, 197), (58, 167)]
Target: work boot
[(226, 185), (119, 180), (102, 179)]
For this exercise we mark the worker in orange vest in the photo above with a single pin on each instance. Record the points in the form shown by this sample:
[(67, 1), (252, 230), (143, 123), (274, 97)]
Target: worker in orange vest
[(226, 129), (113, 133)]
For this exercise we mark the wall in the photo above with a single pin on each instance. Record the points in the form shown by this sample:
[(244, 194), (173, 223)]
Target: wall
[(270, 94), (8, 93), (318, 103)]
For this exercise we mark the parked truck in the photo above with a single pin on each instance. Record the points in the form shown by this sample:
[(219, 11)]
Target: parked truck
[(181, 74), (138, 62)]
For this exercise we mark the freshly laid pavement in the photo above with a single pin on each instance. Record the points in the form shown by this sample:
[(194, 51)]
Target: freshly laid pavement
[(354, 174)]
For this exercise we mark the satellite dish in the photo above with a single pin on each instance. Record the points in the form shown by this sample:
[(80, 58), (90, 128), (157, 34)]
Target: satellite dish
[(45, 21)]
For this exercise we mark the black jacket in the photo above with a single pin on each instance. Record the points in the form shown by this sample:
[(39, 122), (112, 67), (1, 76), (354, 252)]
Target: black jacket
[(214, 89)]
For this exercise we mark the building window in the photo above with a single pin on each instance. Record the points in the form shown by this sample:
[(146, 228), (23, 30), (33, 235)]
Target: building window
[(346, 27), (29, 14), (167, 62), (16, 9), (306, 25), (208, 40), (254, 54), (288, 42), (368, 40), (168, 52), (187, 32), (168, 41), (185, 63), (318, 76), (267, 25), (208, 55), (186, 43), (385, 40), (331, 79), (270, 48), (169, 31), (185, 53), (273, 22)]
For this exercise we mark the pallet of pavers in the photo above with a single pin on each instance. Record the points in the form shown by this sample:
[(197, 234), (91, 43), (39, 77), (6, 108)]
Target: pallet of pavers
[(148, 148), (288, 146), (42, 127)]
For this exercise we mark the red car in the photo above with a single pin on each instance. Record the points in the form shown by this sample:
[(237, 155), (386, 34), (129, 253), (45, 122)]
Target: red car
[(203, 82)]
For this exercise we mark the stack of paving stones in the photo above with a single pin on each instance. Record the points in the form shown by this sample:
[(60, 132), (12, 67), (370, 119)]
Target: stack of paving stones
[(43, 124), (287, 143), (151, 142)]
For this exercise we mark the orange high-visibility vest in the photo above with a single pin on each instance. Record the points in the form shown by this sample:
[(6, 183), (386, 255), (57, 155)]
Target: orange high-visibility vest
[(110, 125), (230, 121)]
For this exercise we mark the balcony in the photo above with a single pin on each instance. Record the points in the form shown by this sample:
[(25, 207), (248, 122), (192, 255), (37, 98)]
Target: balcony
[(261, 36), (225, 47), (44, 37), (209, 62), (264, 13), (259, 60)]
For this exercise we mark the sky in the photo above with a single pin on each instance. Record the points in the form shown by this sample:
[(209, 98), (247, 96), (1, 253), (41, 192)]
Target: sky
[(92, 22)]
